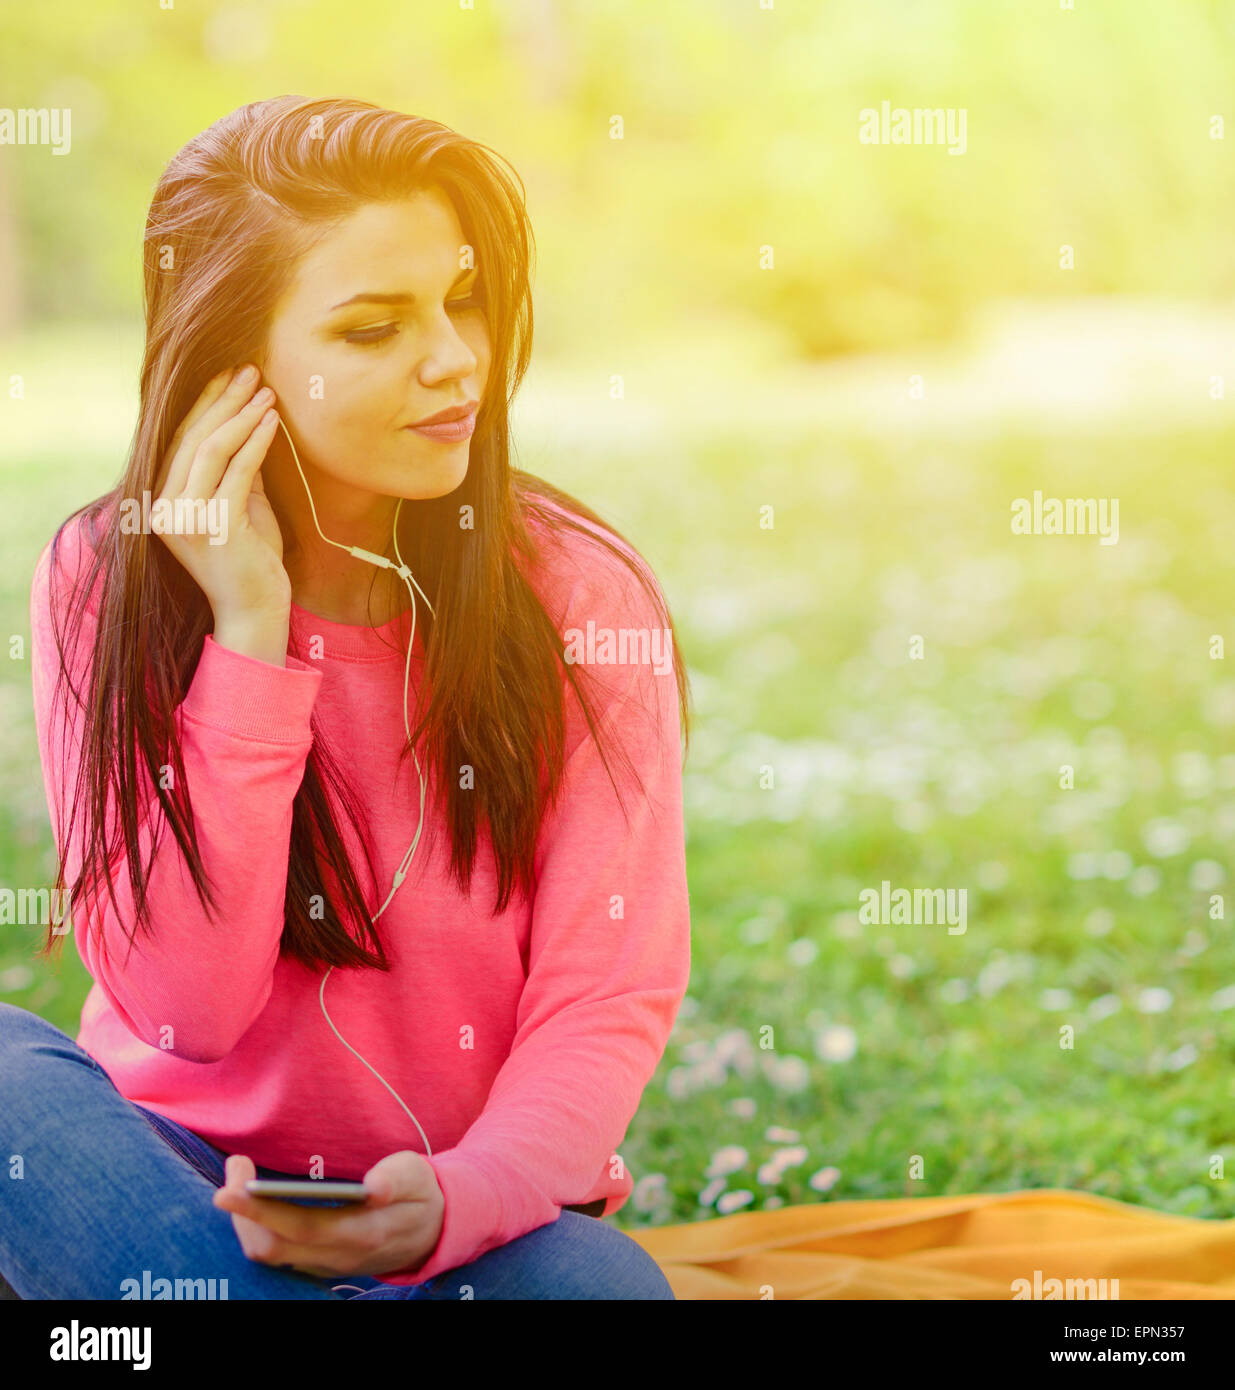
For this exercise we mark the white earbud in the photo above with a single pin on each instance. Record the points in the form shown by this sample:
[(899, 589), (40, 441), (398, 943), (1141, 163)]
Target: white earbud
[(383, 562)]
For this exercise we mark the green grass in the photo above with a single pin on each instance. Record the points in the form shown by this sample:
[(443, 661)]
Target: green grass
[(943, 772)]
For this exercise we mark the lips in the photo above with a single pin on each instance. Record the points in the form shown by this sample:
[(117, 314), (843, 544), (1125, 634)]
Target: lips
[(451, 430), (443, 417)]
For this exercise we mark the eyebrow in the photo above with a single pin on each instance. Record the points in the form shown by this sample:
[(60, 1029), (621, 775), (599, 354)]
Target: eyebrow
[(373, 297)]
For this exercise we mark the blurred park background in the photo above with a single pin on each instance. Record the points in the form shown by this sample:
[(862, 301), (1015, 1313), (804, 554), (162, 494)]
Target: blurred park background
[(917, 351)]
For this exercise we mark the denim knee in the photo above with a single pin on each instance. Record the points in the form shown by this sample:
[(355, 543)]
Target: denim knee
[(645, 1279), (575, 1257), (18, 1028), (628, 1271), (26, 1039), (18, 1023)]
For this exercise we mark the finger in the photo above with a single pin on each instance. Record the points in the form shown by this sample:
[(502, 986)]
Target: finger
[(237, 1170), (397, 1177), (214, 454), (257, 1242), (352, 1235), (213, 390), (277, 1254), (243, 473), (305, 1225), (244, 381), (225, 407), (333, 1250)]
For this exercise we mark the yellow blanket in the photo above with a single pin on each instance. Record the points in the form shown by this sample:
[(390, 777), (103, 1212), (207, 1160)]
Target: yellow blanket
[(948, 1248)]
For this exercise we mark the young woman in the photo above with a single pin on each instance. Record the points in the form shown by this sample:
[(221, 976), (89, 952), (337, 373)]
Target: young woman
[(313, 955)]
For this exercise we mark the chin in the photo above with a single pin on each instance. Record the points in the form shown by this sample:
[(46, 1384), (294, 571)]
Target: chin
[(436, 482)]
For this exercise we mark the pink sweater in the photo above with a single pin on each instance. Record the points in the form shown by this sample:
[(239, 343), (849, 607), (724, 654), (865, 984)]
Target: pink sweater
[(522, 1043)]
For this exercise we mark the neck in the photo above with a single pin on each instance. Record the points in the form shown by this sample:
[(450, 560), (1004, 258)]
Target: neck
[(325, 579)]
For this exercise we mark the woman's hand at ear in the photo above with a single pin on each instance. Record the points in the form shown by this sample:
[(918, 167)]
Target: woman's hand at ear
[(395, 1230), (216, 454)]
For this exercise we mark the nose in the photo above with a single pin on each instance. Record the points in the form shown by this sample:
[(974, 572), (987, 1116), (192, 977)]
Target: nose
[(448, 354)]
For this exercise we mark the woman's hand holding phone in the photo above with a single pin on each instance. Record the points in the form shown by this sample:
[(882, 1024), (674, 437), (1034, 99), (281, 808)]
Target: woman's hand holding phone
[(217, 452), (396, 1229)]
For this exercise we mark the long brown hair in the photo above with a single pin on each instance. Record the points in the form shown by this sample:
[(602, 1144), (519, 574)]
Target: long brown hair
[(229, 217)]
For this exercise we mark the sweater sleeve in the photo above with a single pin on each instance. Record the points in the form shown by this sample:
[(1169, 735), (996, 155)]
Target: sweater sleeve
[(244, 734), (608, 963)]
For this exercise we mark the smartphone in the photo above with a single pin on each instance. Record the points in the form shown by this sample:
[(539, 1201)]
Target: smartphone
[(308, 1192)]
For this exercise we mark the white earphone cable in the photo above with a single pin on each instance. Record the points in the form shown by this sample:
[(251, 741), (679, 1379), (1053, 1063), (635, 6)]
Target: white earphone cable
[(383, 562)]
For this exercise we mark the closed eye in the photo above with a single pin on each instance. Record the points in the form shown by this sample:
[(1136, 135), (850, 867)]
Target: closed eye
[(380, 333)]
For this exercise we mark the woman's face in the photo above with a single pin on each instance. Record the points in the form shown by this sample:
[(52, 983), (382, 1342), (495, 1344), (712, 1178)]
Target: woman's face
[(378, 330)]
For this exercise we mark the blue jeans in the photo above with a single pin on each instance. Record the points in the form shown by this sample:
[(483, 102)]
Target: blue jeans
[(109, 1189)]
